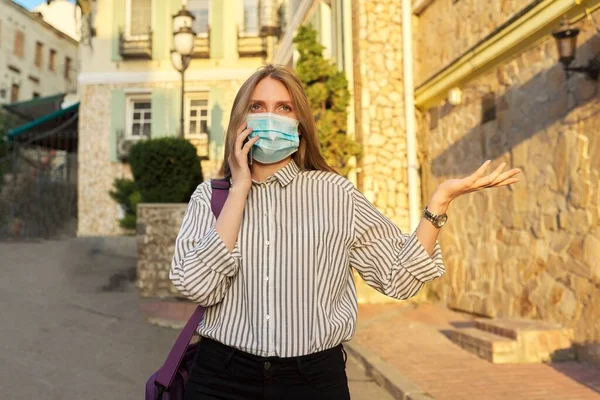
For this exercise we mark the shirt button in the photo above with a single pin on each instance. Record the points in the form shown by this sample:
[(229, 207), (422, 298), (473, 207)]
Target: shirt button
[(267, 365), (266, 279), (267, 243), (268, 317)]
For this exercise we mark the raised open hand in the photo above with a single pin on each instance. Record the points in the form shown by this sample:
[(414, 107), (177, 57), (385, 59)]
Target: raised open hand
[(452, 188)]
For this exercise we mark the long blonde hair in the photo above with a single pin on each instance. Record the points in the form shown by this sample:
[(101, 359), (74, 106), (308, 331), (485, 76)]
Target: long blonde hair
[(308, 156)]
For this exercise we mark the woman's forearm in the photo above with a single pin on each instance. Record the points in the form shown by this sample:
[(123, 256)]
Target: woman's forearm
[(426, 232), (230, 219)]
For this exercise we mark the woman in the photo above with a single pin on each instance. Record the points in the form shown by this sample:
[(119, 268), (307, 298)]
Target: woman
[(274, 269)]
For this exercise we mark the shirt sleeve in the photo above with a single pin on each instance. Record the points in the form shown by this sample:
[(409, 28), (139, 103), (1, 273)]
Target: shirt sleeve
[(203, 267), (394, 263)]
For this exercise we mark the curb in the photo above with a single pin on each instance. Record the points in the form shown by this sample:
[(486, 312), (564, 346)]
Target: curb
[(398, 386)]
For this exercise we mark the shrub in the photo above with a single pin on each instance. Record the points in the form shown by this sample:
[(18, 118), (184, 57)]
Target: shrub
[(327, 91), (165, 170), (127, 196)]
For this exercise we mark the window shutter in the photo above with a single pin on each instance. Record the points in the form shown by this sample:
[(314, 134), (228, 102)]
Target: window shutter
[(217, 34), (159, 121), (161, 30), (174, 110), (216, 129), (118, 22), (117, 120)]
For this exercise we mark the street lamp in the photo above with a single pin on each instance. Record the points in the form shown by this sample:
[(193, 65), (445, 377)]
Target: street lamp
[(566, 41), (183, 48)]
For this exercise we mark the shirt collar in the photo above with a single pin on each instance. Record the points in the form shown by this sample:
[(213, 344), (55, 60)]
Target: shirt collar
[(285, 175)]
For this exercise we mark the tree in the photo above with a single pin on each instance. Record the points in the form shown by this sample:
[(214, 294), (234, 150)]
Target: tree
[(327, 92)]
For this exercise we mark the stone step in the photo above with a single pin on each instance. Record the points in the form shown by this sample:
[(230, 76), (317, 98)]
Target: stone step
[(494, 348), (538, 341)]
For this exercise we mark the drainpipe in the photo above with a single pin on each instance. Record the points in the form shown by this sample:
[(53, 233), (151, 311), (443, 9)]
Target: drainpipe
[(414, 207)]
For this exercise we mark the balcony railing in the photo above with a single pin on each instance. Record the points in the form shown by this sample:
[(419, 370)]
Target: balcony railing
[(252, 46), (135, 47), (202, 46)]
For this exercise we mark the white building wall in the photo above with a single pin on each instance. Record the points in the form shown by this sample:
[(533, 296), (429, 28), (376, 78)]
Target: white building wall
[(23, 71)]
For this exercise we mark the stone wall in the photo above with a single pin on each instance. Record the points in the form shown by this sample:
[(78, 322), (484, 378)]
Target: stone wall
[(157, 228), (532, 250), (379, 112), (447, 29), (97, 212), (383, 164)]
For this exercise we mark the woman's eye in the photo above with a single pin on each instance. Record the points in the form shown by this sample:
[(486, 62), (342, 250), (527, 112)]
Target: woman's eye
[(286, 108), (254, 107)]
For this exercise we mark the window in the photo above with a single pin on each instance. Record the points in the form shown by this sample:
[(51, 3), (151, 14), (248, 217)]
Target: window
[(14, 93), (200, 9), (67, 68), (38, 54), (196, 123), (51, 59), (139, 18), (251, 23), (19, 44), (36, 95), (139, 115)]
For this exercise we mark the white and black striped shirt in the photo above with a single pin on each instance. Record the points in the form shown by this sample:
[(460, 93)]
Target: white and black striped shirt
[(287, 288)]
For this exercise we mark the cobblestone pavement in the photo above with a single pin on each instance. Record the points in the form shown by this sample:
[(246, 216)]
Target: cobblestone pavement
[(71, 327), (411, 339)]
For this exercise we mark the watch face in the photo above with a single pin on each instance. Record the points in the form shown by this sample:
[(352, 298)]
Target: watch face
[(442, 219)]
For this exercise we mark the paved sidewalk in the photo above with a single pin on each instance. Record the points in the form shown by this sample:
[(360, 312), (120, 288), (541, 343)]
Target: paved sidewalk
[(174, 314), (411, 341), (71, 326)]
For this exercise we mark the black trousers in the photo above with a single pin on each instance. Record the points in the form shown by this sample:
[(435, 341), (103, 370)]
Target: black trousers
[(224, 373)]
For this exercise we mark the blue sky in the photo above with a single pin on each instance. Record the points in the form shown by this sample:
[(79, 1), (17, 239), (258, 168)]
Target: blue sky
[(30, 4)]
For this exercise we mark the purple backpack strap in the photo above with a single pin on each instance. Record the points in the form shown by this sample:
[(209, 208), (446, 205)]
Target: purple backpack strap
[(165, 376)]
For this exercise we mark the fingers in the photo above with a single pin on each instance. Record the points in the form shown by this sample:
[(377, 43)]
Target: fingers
[(493, 178), (479, 173), (242, 134), (505, 175), (246, 148), (507, 182)]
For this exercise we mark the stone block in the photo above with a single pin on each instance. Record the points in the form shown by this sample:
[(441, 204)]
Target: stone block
[(560, 241), (161, 224), (537, 341), (489, 346), (541, 293), (556, 267), (591, 253), (562, 157)]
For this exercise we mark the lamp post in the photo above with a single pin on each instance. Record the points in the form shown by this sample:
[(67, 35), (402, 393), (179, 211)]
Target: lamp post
[(566, 41), (183, 48)]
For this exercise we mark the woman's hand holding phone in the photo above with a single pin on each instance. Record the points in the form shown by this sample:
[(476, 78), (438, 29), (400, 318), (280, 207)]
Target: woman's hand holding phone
[(240, 160)]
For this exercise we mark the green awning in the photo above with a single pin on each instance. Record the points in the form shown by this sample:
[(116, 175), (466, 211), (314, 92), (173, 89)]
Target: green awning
[(43, 120), (57, 130), (36, 108)]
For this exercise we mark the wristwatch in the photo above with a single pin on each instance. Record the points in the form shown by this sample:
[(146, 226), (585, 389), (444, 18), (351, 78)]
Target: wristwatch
[(437, 220)]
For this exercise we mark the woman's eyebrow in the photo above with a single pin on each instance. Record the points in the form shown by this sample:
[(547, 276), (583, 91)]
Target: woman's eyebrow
[(261, 102)]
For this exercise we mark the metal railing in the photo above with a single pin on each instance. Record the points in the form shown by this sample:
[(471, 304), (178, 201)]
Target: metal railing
[(135, 47), (38, 186), (251, 46), (202, 46)]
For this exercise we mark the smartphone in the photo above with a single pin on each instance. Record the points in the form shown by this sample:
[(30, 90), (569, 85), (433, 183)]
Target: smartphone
[(250, 152)]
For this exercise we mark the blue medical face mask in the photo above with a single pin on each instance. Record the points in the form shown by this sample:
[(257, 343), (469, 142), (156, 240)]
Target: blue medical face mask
[(278, 137)]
